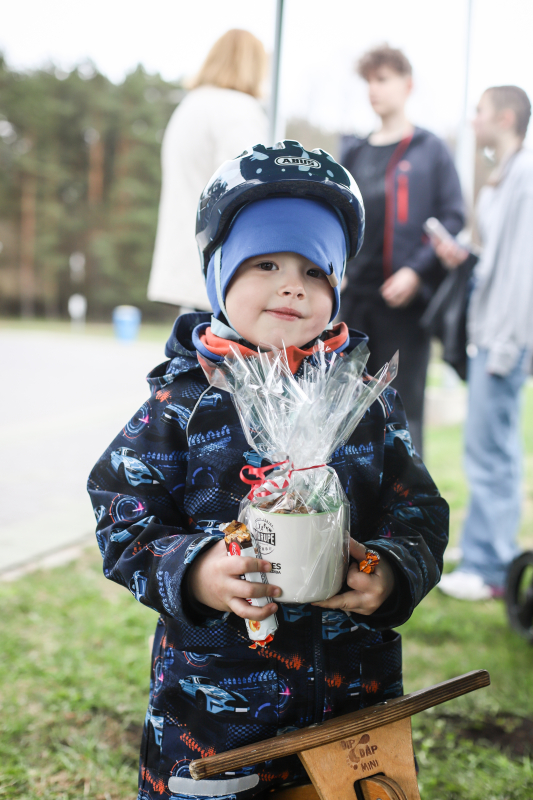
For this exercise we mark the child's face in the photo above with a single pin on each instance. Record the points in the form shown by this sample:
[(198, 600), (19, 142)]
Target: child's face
[(279, 298)]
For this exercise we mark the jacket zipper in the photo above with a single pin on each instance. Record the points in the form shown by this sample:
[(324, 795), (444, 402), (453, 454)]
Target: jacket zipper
[(318, 664), (192, 412)]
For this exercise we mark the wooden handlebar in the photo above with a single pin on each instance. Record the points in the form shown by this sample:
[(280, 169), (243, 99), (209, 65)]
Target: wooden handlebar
[(340, 728)]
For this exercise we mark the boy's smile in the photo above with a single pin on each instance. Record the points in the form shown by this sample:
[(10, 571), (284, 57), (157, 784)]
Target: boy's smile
[(279, 299), (284, 313)]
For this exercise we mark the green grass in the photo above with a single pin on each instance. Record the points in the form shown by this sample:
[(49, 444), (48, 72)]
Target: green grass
[(75, 665), (447, 637), (73, 684)]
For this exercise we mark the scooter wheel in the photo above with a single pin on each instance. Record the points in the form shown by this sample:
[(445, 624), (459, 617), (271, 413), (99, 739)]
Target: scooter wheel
[(519, 595)]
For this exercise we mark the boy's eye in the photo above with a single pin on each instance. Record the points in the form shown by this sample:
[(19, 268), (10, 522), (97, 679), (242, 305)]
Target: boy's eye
[(268, 266), (316, 273)]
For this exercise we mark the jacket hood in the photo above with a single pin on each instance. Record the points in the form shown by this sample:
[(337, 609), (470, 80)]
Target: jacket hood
[(180, 340), (179, 349), (182, 352)]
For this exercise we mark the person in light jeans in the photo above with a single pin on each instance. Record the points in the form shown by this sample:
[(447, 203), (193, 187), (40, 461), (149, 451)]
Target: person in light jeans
[(500, 337)]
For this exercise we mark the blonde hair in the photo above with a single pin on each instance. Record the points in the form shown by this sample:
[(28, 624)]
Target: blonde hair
[(236, 61)]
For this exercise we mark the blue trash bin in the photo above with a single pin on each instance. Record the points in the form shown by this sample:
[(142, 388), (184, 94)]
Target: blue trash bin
[(126, 322)]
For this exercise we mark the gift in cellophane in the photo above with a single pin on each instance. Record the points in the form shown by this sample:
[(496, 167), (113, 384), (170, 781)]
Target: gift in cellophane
[(297, 510)]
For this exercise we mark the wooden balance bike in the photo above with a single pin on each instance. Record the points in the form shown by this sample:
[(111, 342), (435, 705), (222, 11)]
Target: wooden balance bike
[(366, 755)]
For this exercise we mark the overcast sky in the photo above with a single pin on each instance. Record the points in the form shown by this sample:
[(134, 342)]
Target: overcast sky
[(321, 42)]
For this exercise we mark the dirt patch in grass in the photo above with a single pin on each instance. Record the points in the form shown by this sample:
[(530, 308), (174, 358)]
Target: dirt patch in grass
[(508, 733), (128, 737)]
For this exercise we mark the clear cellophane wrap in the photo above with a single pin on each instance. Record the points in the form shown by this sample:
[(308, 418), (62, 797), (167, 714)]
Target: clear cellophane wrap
[(297, 422)]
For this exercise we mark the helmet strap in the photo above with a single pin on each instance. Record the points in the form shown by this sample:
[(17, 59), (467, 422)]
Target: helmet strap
[(224, 331)]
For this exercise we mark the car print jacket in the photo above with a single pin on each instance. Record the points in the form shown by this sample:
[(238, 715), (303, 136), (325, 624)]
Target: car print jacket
[(160, 491)]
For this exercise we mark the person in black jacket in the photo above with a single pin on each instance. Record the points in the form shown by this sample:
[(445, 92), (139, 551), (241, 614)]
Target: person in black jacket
[(405, 175)]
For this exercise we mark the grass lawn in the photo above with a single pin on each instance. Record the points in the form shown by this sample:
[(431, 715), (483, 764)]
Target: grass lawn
[(477, 747), (73, 682)]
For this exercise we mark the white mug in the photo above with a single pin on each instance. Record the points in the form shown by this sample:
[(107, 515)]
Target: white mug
[(308, 552)]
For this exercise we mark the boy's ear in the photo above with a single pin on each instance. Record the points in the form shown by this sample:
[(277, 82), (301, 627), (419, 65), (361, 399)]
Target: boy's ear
[(507, 118)]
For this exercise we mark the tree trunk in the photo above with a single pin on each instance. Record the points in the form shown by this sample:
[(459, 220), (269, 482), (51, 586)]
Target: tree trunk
[(27, 244), (122, 155), (96, 170)]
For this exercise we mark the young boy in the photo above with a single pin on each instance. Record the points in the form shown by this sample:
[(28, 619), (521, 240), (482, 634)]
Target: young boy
[(275, 227)]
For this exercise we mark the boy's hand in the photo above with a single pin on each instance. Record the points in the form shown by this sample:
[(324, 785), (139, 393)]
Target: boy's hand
[(368, 592), (214, 580)]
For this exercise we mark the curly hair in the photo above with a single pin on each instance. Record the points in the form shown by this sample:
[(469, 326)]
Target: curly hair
[(383, 56)]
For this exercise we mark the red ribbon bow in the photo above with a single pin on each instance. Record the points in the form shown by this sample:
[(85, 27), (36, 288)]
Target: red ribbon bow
[(260, 474)]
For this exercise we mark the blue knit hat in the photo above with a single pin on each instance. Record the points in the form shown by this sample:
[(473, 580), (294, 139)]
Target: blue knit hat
[(311, 228)]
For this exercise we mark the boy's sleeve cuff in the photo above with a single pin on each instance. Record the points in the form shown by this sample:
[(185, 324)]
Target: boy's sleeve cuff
[(195, 612), (200, 614), (392, 611)]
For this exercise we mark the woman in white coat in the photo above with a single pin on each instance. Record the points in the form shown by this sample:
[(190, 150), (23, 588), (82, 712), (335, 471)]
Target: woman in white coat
[(216, 121)]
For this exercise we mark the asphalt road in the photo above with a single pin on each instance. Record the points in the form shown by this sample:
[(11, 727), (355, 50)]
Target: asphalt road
[(62, 400)]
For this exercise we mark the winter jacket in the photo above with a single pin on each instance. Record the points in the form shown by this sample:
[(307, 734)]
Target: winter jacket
[(160, 491), (421, 181), (210, 126)]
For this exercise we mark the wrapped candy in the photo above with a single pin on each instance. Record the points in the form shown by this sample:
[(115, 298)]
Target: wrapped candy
[(239, 542), (298, 513)]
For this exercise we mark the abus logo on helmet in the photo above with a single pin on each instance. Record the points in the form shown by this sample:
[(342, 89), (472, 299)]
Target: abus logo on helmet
[(294, 161)]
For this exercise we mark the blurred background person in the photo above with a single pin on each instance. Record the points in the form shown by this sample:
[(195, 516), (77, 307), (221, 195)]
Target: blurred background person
[(406, 174), (500, 335), (216, 121)]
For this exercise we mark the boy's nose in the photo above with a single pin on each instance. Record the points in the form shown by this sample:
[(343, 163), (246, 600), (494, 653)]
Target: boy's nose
[(296, 292), (292, 288)]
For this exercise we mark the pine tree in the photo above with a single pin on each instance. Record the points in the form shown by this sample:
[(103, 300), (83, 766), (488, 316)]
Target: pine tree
[(79, 173)]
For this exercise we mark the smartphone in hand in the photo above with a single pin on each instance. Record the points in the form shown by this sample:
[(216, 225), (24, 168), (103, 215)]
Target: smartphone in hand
[(450, 253), (436, 231)]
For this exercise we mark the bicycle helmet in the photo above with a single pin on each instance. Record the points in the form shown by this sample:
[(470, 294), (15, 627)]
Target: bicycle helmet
[(286, 169)]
